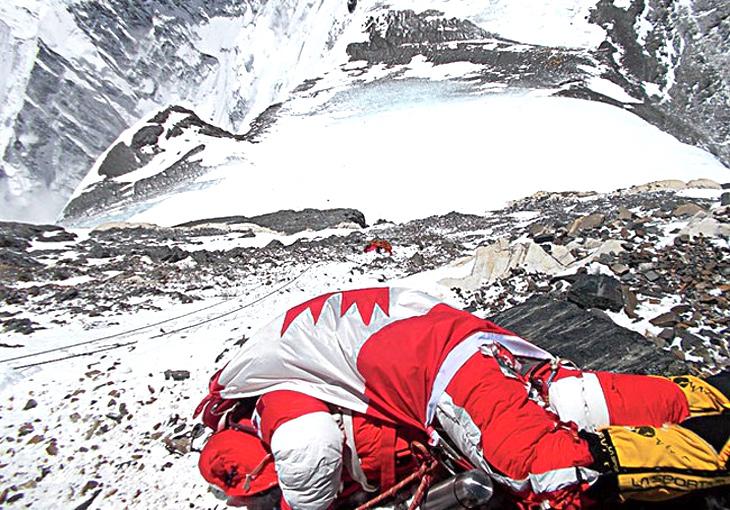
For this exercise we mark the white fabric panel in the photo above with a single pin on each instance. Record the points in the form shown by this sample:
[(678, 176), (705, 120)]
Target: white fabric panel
[(352, 459), (453, 362), (310, 356), (308, 458), (518, 346), (461, 430), (580, 400)]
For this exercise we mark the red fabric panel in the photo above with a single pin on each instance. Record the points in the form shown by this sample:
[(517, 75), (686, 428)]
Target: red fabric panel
[(278, 407), (642, 400), (367, 441), (314, 305), (387, 456), (399, 362), (283, 505), (518, 436), (365, 300)]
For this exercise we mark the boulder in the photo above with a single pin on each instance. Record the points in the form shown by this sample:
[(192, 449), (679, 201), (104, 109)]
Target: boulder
[(667, 184), (609, 247), (589, 340), (562, 254), (665, 320), (596, 291), (620, 269), (624, 214), (703, 225), (688, 209), (704, 184), (586, 223), (494, 262)]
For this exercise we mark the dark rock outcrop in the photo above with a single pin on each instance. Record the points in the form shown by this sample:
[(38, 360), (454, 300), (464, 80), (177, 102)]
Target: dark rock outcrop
[(107, 196), (684, 53), (291, 222), (590, 341), (395, 37), (596, 291)]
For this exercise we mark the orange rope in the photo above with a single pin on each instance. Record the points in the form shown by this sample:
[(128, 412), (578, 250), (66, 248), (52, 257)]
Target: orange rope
[(424, 472)]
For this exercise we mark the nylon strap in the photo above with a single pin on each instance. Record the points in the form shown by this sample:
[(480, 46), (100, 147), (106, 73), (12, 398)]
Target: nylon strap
[(387, 457)]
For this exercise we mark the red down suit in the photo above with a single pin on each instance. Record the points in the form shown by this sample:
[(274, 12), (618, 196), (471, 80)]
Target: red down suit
[(401, 356)]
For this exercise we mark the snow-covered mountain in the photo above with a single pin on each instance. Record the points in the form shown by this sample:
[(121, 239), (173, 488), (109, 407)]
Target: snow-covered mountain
[(82, 72), (77, 73), (544, 164)]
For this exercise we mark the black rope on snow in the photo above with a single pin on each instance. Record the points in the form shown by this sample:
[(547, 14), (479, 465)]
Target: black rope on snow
[(117, 335), (102, 349), (107, 348)]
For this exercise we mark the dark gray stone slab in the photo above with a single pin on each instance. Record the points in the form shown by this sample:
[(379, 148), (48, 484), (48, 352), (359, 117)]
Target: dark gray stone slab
[(590, 341), (290, 221), (597, 291)]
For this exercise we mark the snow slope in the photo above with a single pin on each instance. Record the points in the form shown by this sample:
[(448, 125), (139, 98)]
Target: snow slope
[(106, 426), (408, 149)]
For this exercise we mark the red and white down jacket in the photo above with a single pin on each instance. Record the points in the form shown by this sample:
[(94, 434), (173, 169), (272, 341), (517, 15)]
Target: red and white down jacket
[(403, 357), (385, 352), (322, 454)]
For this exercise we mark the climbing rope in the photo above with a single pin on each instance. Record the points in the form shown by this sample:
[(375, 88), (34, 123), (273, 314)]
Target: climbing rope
[(120, 334), (101, 349), (424, 472), (125, 333)]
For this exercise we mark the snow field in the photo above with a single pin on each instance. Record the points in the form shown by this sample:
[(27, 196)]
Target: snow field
[(418, 158)]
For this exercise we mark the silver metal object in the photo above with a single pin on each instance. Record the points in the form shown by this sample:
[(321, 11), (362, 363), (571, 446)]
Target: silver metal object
[(472, 489)]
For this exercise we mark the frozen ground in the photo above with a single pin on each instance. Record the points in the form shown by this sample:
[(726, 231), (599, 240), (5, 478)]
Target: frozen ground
[(108, 424)]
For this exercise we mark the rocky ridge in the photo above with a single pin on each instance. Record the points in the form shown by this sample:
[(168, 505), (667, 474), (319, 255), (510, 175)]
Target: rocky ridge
[(678, 54), (656, 248), (169, 141), (673, 76), (664, 61), (633, 280)]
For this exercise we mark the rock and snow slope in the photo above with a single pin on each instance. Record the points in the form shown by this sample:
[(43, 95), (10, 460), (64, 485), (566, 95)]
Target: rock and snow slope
[(397, 149), (628, 280), (81, 72), (412, 115)]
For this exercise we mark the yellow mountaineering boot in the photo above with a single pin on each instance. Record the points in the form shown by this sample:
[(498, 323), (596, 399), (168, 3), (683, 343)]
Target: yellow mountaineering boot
[(705, 396), (658, 463)]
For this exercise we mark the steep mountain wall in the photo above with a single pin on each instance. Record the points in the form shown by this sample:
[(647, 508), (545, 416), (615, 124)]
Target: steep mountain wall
[(678, 52), (83, 71)]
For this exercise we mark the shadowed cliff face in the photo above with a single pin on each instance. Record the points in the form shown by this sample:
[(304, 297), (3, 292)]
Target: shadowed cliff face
[(120, 60), (679, 53)]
